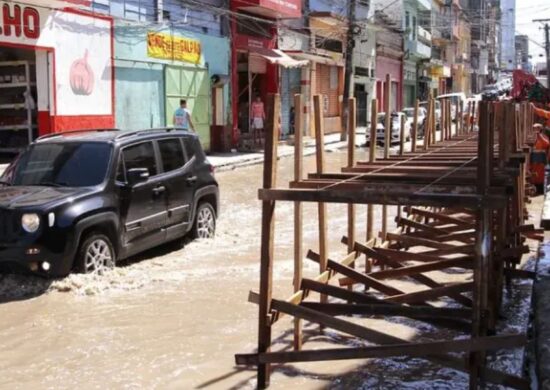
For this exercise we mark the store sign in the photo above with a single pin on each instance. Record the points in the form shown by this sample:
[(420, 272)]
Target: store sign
[(19, 21), (168, 47)]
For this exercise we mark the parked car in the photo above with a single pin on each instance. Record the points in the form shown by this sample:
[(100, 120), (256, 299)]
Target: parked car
[(397, 118), (455, 98), (422, 116), (83, 201)]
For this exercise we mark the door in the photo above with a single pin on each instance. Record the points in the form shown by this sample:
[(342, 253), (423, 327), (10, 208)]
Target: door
[(179, 181), (192, 85), (145, 206), (361, 97)]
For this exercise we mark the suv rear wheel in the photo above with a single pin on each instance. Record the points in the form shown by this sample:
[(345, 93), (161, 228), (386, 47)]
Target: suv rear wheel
[(96, 254), (205, 221)]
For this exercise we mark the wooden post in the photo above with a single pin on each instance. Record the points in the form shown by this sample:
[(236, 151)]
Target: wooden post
[(267, 237), (322, 208), (387, 140), (484, 238), (429, 125), (415, 126), (352, 125), (372, 158), (402, 138), (443, 119), (388, 121), (460, 121), (298, 210), (473, 121)]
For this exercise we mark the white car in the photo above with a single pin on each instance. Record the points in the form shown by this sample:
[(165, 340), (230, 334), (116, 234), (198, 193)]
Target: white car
[(397, 118), (422, 116)]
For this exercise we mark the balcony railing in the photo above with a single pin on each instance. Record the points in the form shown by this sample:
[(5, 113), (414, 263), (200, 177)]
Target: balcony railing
[(419, 49), (424, 36)]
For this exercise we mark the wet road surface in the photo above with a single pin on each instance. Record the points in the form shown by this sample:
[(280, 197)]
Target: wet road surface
[(174, 317)]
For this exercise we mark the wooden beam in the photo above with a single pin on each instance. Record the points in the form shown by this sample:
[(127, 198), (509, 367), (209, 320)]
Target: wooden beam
[(432, 348), (426, 295)]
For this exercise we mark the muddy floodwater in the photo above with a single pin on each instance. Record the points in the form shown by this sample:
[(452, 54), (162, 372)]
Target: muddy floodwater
[(174, 317)]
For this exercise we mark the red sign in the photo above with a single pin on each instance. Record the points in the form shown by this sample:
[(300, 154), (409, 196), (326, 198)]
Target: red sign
[(271, 8), (17, 20)]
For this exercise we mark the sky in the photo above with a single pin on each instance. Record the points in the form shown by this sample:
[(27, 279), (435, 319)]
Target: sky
[(526, 11)]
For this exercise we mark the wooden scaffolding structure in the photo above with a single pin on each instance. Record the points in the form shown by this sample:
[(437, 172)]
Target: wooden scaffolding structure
[(461, 204)]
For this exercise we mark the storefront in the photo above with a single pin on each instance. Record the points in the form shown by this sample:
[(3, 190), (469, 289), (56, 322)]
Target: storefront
[(156, 67), (393, 67), (56, 72)]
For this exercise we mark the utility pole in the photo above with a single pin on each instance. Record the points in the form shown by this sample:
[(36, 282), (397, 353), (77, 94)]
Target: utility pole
[(348, 75), (547, 46)]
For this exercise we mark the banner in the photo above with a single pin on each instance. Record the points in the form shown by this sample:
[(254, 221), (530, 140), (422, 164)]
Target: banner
[(167, 47)]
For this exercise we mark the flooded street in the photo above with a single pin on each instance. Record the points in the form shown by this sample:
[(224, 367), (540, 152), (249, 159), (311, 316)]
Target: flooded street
[(174, 317)]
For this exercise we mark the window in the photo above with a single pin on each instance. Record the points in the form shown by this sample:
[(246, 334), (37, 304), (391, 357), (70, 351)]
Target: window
[(141, 156), (142, 10), (65, 164), (189, 150), (171, 153), (414, 32), (333, 77), (407, 20)]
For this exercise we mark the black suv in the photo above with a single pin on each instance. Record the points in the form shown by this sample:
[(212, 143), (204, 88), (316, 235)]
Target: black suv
[(83, 200)]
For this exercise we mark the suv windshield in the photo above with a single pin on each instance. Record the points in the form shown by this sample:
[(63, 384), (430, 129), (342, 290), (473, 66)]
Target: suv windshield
[(64, 164)]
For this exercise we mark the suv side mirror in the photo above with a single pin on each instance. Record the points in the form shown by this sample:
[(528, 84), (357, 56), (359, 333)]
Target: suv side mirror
[(137, 175)]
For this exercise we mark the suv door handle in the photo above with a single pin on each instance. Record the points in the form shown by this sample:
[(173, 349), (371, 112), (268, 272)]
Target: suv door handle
[(159, 190), (191, 180)]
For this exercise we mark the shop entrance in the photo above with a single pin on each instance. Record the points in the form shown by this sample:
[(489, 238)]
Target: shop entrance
[(252, 70), (18, 98)]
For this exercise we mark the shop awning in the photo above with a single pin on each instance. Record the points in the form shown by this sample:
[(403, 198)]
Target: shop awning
[(277, 57), (60, 4), (317, 59)]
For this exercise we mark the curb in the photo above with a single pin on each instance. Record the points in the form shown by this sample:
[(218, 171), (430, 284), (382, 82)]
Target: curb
[(308, 151)]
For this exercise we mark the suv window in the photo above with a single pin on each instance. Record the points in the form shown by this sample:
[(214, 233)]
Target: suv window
[(140, 156), (189, 150), (171, 153)]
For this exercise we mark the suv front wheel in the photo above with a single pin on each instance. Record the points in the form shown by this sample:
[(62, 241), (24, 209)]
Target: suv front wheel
[(96, 254), (205, 221)]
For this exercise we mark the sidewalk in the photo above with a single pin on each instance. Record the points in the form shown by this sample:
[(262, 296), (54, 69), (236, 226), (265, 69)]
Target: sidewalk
[(228, 161)]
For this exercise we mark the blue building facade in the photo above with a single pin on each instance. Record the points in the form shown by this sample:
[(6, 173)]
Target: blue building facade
[(165, 51)]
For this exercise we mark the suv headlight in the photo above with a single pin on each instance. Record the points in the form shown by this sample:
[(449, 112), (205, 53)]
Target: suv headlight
[(30, 222)]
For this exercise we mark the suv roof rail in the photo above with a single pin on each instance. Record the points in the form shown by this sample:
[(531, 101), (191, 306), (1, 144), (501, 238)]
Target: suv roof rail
[(148, 131), (62, 134)]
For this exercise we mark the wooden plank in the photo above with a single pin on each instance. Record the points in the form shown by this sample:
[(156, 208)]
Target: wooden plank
[(412, 241), (441, 217), (384, 198), (376, 253), (465, 262), (382, 338), (267, 238), (361, 278), (298, 211), (431, 348), (379, 309), (431, 294)]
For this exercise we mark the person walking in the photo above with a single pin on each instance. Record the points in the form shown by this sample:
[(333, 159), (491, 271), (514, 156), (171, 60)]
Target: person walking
[(257, 112), (182, 117)]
